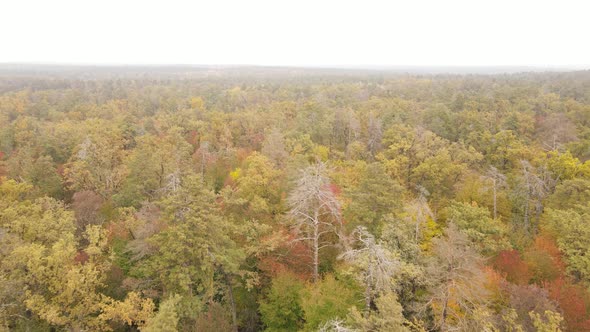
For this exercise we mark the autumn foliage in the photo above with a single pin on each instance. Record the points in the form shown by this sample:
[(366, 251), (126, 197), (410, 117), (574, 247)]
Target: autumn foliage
[(514, 269)]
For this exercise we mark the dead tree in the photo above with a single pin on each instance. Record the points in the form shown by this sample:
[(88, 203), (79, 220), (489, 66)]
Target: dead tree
[(377, 263), (315, 211), (419, 211), (457, 280), (498, 181), (537, 184)]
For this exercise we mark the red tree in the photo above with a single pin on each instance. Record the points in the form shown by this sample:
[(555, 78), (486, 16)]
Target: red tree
[(573, 300), (512, 267)]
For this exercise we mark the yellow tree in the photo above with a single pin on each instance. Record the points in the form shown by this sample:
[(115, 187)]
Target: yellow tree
[(97, 163)]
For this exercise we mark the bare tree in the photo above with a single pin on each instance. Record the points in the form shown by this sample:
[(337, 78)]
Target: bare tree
[(419, 211), (204, 154), (345, 129), (375, 133), (274, 147), (378, 265), (141, 226), (315, 210), (457, 280), (498, 181), (86, 205), (556, 130), (335, 325), (537, 184)]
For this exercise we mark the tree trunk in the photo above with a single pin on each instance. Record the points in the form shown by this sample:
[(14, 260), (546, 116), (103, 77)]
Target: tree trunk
[(316, 251), (367, 299), (495, 201), (526, 215), (444, 312), (234, 315), (417, 230)]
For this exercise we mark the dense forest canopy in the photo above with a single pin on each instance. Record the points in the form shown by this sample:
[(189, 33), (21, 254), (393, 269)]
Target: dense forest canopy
[(290, 199)]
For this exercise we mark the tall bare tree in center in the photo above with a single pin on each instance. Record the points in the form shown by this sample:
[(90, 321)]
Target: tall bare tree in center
[(498, 181), (315, 210)]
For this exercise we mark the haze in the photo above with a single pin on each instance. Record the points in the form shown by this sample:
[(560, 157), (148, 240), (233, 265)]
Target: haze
[(297, 33)]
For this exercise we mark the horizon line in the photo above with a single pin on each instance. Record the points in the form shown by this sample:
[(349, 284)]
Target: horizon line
[(315, 66)]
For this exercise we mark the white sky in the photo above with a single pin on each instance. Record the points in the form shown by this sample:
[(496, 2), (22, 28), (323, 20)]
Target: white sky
[(302, 32)]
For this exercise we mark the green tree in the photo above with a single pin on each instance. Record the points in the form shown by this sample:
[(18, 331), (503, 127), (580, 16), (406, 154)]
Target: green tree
[(487, 234), (195, 246), (155, 166), (39, 171), (166, 319), (375, 196), (571, 228), (327, 299), (388, 315), (281, 308)]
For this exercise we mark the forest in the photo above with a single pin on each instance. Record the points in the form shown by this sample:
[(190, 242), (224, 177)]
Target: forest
[(290, 199)]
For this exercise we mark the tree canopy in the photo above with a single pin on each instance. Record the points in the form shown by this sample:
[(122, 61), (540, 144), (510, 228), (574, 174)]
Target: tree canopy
[(273, 199)]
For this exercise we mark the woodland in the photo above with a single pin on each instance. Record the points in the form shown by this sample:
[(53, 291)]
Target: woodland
[(289, 199)]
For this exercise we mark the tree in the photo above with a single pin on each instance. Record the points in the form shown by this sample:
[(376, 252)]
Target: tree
[(514, 269), (375, 196), (327, 299), (573, 302), (555, 130), (216, 318), (374, 135), (61, 289), (39, 273), (377, 265), (281, 308), (487, 234), (549, 322), (387, 316), (522, 301), (86, 206), (194, 248), (456, 280), (345, 128), (502, 149), (572, 233), (155, 167), (133, 311), (536, 184), (97, 164), (335, 325), (44, 220), (564, 166), (498, 181), (418, 157), (419, 213), (398, 237), (273, 147), (40, 171), (315, 211), (166, 319), (570, 194), (258, 191)]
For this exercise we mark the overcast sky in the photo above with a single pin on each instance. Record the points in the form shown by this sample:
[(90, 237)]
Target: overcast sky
[(302, 32)]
